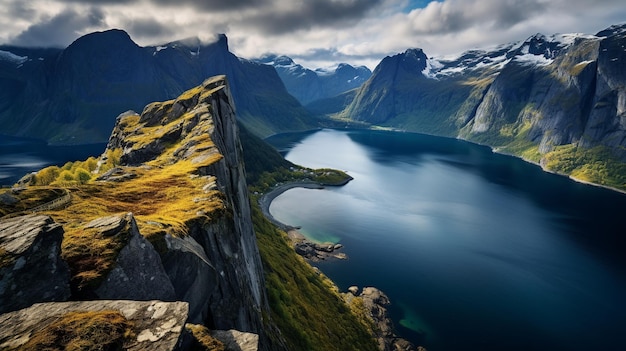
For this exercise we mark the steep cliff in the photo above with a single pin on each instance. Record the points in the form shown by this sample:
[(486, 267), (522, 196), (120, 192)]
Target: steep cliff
[(558, 100), (72, 95), (168, 218)]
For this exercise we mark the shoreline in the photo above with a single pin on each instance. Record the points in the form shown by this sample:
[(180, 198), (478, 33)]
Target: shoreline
[(304, 247), (265, 200)]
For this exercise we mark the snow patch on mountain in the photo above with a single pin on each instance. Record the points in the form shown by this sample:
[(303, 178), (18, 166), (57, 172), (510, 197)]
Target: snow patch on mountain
[(13, 58), (538, 50)]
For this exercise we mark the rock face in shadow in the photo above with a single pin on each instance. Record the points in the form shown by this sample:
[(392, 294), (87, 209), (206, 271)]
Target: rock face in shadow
[(156, 325), (31, 267), (72, 95), (138, 273)]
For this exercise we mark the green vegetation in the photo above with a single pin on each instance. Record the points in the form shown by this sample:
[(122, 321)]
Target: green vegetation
[(596, 165), (324, 176), (91, 256), (305, 305), (83, 331), (203, 341)]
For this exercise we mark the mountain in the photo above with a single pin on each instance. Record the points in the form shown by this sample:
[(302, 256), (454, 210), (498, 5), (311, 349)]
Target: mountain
[(310, 85), (557, 100), (156, 245), (69, 96)]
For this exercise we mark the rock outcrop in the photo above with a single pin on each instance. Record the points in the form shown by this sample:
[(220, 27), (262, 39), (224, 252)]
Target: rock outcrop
[(215, 266), (31, 268), (154, 325), (170, 221), (374, 305), (138, 273)]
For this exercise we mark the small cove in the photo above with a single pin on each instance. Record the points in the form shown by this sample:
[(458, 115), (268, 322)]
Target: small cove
[(475, 249)]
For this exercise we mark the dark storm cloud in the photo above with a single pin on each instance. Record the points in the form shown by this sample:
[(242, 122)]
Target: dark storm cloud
[(99, 2), (216, 5), (20, 9), (313, 13), (60, 30), (148, 28)]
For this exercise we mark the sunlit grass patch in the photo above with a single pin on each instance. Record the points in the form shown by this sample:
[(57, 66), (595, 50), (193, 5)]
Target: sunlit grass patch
[(84, 331)]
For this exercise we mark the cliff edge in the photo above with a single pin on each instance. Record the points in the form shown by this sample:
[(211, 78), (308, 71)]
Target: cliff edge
[(163, 214)]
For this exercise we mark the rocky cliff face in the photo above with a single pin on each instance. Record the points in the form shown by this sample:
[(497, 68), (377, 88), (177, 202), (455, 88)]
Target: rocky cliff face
[(527, 98), (215, 266), (71, 96), (171, 221)]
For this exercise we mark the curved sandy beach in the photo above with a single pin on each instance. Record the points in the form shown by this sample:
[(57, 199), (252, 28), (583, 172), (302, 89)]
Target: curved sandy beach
[(266, 199)]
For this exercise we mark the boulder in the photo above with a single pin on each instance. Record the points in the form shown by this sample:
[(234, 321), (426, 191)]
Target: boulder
[(138, 273), (235, 340), (30, 251), (156, 325)]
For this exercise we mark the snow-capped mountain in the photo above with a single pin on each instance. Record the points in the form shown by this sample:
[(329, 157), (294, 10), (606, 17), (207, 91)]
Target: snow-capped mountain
[(533, 95), (538, 50), (308, 85)]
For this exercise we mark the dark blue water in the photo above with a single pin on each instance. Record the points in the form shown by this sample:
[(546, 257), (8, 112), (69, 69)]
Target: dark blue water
[(20, 156), (477, 251)]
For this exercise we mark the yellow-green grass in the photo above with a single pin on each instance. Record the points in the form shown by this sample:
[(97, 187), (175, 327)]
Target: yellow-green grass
[(203, 339), (163, 200), (595, 165), (305, 305), (83, 331)]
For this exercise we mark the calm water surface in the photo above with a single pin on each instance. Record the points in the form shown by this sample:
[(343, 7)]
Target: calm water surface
[(20, 156), (476, 250)]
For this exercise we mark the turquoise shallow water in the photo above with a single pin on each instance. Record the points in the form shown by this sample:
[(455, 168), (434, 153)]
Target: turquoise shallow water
[(475, 250)]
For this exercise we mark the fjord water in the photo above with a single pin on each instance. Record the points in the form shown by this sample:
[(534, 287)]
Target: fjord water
[(476, 250), (20, 156)]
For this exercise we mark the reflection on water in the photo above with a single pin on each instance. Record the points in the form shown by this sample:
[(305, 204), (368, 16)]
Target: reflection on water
[(475, 249)]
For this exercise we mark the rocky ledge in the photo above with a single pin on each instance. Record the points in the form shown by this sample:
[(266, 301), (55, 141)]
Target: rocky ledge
[(374, 307), (147, 325)]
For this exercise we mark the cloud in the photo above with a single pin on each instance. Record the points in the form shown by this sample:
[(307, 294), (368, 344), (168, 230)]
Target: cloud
[(457, 15), (317, 32), (216, 5), (61, 29), (310, 14)]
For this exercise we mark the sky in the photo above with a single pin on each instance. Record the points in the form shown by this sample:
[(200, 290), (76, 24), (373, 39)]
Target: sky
[(315, 33)]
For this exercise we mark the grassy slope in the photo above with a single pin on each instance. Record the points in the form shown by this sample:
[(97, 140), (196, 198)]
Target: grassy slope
[(305, 305)]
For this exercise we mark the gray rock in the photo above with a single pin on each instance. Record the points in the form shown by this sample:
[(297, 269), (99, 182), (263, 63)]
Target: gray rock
[(375, 304), (235, 340), (193, 277), (138, 273), (157, 325), (32, 269)]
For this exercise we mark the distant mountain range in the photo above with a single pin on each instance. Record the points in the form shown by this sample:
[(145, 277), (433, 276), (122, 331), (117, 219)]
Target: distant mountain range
[(74, 95), (308, 85), (557, 100)]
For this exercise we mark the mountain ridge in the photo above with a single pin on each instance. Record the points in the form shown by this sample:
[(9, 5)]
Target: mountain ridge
[(554, 100), (67, 96), (308, 85)]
